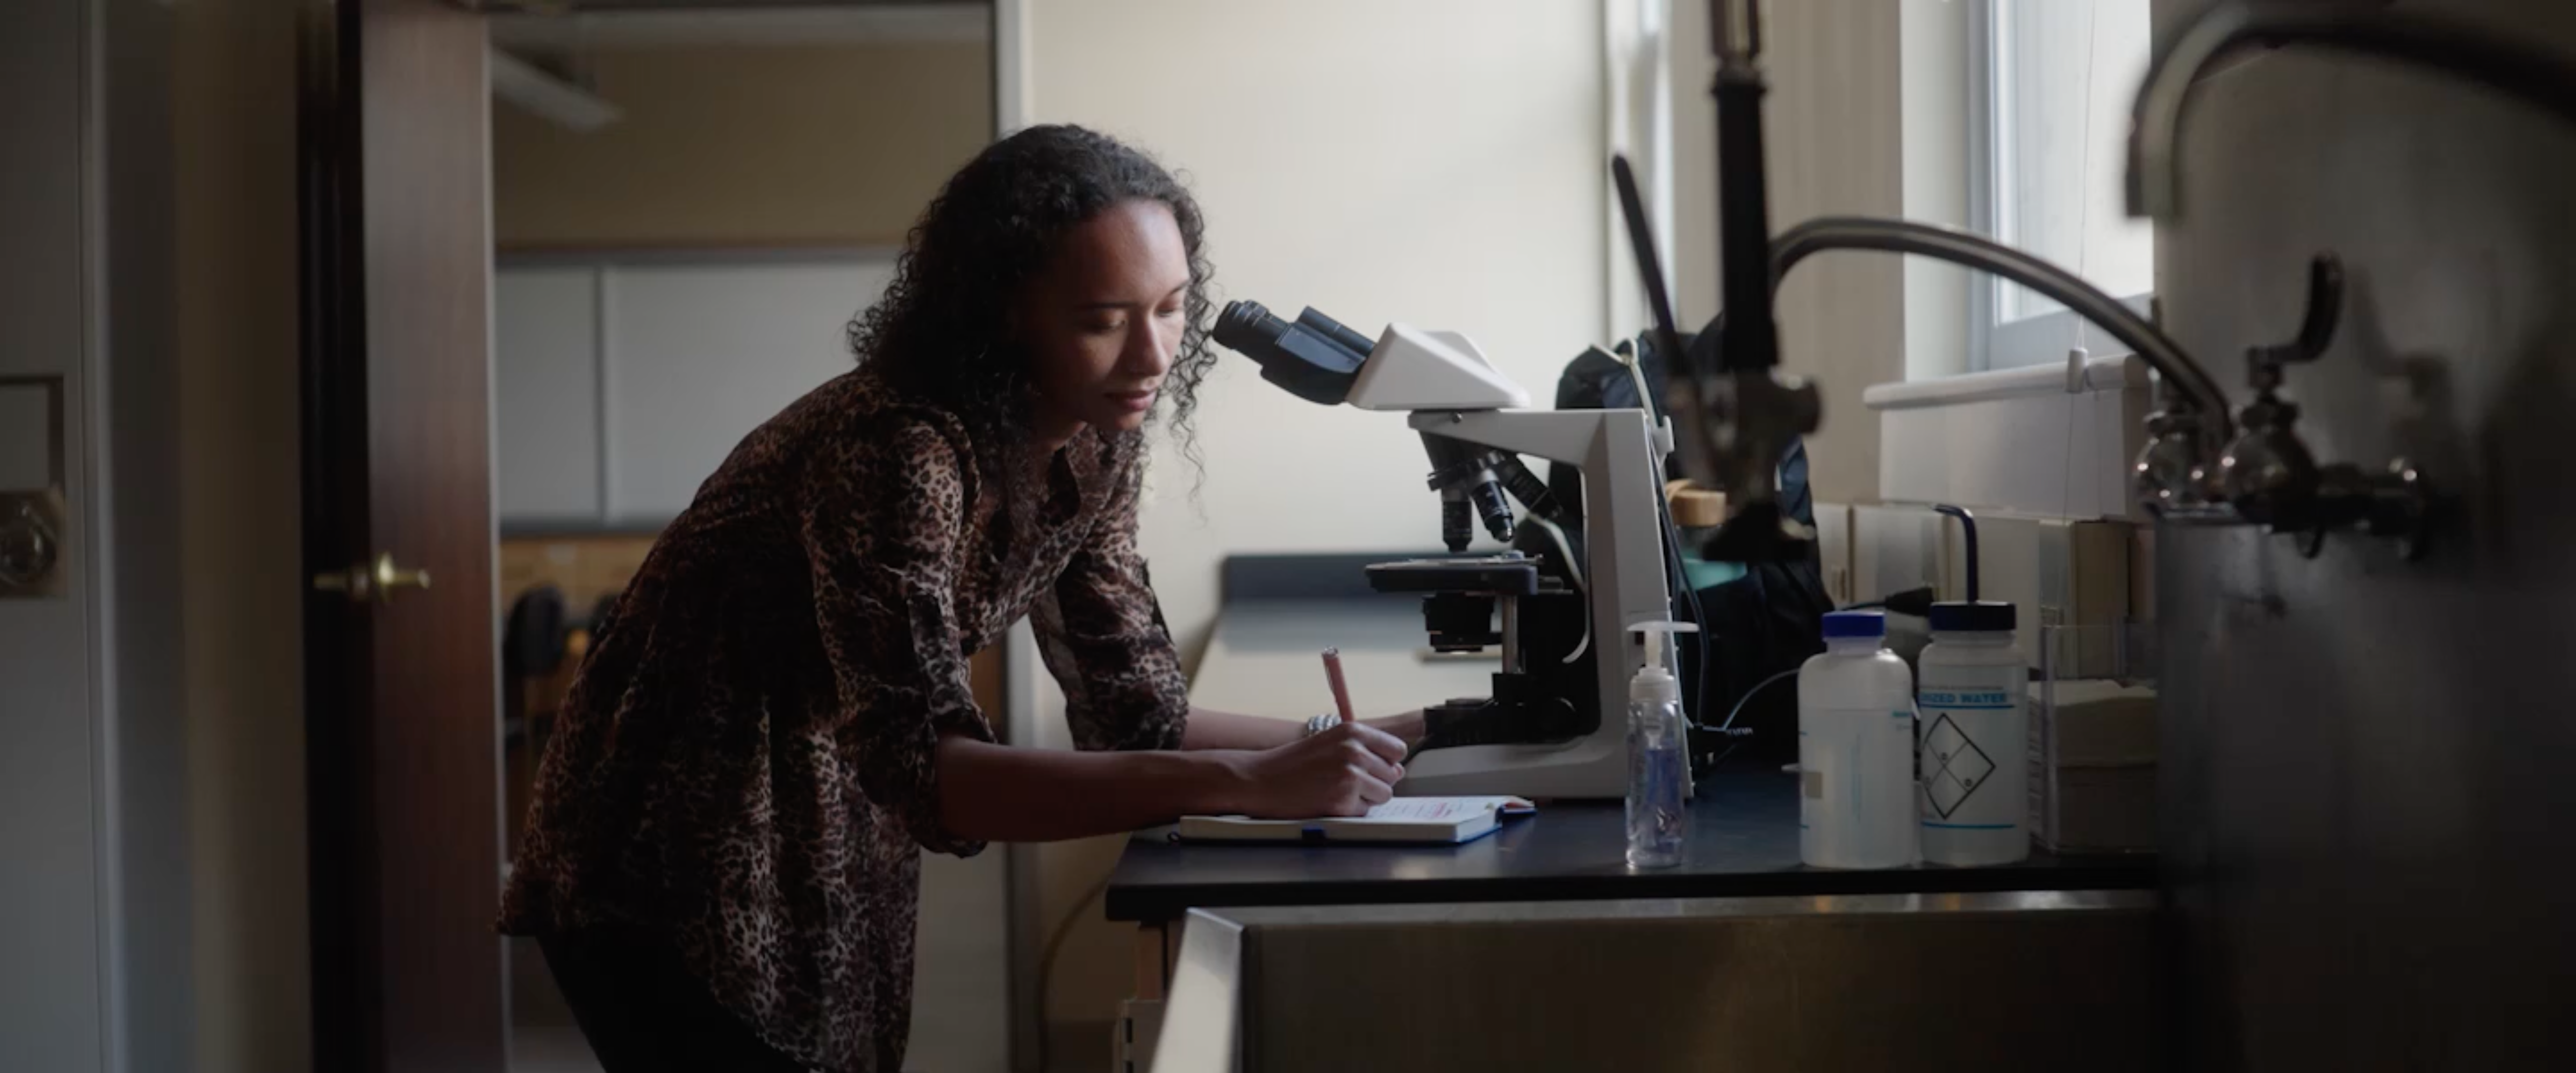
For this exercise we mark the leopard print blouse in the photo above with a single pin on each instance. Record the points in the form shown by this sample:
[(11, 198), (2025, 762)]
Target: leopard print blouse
[(744, 761)]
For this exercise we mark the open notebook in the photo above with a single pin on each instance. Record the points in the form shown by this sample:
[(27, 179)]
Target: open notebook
[(1405, 819)]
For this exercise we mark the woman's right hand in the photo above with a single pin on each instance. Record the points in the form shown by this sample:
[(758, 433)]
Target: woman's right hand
[(1340, 772)]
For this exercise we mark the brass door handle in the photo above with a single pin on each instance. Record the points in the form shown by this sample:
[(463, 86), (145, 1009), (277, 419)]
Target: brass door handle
[(364, 583)]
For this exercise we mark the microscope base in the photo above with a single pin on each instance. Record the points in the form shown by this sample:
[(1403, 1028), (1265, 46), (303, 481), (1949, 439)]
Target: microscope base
[(1595, 768)]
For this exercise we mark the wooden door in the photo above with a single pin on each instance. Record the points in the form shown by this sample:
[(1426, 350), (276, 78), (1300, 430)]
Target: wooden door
[(401, 696)]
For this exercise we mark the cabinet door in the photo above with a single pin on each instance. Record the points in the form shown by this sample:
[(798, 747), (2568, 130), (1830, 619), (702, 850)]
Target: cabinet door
[(546, 366), (701, 354)]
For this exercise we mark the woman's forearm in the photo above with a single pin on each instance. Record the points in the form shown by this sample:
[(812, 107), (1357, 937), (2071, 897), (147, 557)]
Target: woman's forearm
[(999, 793), (1226, 730)]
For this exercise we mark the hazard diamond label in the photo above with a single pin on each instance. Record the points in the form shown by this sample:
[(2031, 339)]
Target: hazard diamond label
[(1953, 766)]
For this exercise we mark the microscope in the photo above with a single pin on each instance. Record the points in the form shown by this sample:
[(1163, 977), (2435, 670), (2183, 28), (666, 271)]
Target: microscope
[(1554, 725)]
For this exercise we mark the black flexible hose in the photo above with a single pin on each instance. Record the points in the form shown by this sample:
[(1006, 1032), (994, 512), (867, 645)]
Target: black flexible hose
[(1967, 523)]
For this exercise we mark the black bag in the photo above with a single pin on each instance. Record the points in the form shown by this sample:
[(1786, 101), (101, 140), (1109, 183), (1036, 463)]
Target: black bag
[(1763, 624)]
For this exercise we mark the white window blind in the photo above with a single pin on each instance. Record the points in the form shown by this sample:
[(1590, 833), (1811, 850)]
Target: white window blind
[(2051, 85)]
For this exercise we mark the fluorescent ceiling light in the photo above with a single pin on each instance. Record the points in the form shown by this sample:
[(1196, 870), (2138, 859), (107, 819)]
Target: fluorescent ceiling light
[(525, 84)]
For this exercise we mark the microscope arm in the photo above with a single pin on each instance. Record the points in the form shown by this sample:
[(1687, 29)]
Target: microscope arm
[(1556, 435), (1623, 521)]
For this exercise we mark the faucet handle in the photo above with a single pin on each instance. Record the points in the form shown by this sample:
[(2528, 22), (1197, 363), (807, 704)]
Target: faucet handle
[(2268, 473), (2171, 477), (2316, 326)]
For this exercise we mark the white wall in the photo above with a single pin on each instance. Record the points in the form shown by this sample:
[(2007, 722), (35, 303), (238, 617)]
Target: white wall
[(1442, 162), (234, 72)]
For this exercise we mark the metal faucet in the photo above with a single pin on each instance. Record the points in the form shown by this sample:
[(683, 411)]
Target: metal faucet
[(1745, 414), (2267, 475), (2173, 475), (2271, 479), (2196, 466)]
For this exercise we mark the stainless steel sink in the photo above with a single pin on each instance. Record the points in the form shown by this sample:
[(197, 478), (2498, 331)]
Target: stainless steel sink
[(1985, 982)]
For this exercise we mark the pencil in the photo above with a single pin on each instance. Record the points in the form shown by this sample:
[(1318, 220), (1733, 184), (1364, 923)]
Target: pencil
[(1341, 688)]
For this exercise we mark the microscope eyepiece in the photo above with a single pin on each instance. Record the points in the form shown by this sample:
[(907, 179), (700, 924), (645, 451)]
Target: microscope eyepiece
[(1318, 359), (1246, 325), (1329, 328), (1314, 358)]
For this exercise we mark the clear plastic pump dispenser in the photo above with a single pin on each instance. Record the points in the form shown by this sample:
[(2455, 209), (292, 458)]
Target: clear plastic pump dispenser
[(1658, 754)]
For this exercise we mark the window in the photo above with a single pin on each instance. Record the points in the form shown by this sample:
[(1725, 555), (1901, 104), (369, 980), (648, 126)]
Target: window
[(1640, 92), (2050, 87)]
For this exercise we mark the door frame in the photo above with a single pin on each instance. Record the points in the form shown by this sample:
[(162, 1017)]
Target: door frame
[(331, 327), (97, 948)]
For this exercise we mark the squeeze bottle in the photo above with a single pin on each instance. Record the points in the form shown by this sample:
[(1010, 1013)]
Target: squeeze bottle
[(1856, 749), (1975, 752)]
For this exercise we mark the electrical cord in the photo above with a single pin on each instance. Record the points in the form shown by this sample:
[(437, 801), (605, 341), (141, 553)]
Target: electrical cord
[(1565, 554), (1728, 727), (1565, 557), (1680, 576), (1677, 570), (1728, 730), (1916, 602)]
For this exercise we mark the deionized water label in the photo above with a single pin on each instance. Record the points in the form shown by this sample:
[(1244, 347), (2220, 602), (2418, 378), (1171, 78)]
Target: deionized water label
[(1973, 777)]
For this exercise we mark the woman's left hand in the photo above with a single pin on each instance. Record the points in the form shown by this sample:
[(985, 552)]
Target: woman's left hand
[(1407, 726)]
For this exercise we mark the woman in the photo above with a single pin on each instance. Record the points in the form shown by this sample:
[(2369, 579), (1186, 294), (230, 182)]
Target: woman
[(721, 861)]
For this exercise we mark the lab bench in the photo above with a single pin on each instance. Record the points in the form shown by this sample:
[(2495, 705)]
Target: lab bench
[(1972, 983), (1743, 843), (2076, 922)]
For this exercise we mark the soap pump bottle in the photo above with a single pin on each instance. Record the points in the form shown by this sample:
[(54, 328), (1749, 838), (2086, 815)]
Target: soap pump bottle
[(1658, 754)]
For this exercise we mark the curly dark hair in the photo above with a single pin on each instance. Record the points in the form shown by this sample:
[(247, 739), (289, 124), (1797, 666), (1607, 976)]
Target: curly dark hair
[(940, 332)]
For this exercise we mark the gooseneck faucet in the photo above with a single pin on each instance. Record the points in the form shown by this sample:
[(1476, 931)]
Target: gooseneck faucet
[(1957, 247), (2155, 120), (1745, 414), (2199, 465), (2171, 475)]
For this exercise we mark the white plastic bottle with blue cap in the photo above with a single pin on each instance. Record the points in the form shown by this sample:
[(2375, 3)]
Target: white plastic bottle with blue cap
[(1856, 749)]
